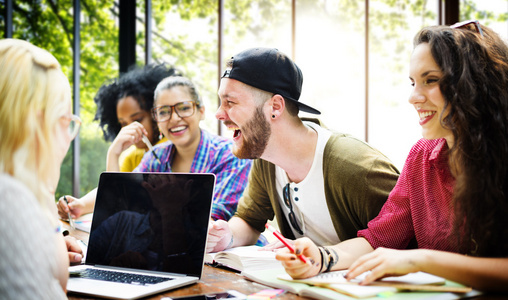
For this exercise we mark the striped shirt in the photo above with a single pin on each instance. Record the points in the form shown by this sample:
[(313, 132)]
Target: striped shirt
[(213, 155)]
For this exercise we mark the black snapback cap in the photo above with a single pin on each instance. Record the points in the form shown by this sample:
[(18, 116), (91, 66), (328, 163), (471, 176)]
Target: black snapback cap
[(269, 70)]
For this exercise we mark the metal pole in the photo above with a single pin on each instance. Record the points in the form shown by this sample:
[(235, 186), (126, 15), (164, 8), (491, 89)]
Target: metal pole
[(366, 70), (220, 31), (8, 19), (148, 32), (75, 90)]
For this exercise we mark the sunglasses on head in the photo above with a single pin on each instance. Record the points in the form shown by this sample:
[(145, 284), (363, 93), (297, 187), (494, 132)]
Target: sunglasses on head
[(470, 25)]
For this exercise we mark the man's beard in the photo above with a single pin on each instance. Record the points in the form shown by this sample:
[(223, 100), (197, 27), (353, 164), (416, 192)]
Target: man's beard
[(255, 136)]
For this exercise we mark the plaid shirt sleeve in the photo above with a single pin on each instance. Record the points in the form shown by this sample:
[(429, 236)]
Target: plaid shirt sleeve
[(231, 174)]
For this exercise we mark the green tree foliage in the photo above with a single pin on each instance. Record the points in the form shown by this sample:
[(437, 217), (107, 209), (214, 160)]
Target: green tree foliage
[(470, 11), (49, 24)]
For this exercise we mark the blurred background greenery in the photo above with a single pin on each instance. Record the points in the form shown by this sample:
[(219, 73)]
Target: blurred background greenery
[(329, 45)]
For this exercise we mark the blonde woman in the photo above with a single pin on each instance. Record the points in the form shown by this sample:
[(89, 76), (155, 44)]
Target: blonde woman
[(36, 129)]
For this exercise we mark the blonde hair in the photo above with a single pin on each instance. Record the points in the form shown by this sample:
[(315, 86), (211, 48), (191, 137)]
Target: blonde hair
[(33, 94)]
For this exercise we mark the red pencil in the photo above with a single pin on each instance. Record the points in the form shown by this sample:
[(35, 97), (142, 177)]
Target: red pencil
[(279, 236)]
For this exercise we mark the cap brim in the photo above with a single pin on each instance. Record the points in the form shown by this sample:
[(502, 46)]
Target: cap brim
[(301, 106), (305, 107)]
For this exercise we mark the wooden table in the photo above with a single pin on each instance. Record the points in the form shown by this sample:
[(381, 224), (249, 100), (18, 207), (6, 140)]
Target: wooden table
[(214, 280)]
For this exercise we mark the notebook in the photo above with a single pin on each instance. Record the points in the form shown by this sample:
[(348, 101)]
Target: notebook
[(244, 258), (151, 225)]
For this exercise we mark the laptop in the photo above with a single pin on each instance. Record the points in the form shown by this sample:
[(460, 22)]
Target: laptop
[(148, 234)]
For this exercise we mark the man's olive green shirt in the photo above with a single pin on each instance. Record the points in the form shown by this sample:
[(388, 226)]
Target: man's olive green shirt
[(357, 178)]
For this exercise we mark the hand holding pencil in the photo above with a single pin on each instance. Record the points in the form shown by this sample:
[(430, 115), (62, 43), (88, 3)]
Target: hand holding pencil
[(309, 261), (281, 238), (69, 208)]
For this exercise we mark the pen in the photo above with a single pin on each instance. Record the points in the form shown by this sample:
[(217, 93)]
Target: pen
[(71, 221), (279, 236), (150, 147)]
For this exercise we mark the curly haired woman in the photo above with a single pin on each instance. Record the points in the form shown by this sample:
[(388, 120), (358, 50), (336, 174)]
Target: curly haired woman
[(451, 200), (123, 111)]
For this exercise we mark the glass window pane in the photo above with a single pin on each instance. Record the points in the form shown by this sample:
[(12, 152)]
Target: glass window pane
[(249, 24), (256, 24), (492, 13), (393, 122), (99, 64), (185, 36), (330, 50)]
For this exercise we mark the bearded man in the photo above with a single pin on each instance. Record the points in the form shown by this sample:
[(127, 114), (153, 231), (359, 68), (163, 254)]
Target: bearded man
[(318, 183)]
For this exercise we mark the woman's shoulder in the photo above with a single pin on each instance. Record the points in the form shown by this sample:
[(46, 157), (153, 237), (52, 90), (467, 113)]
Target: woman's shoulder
[(18, 199), (221, 149), (425, 152), (162, 145), (216, 141), (12, 186), (427, 146), (20, 205)]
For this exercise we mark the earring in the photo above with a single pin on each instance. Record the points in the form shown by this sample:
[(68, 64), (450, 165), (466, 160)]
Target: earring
[(273, 116), (160, 136)]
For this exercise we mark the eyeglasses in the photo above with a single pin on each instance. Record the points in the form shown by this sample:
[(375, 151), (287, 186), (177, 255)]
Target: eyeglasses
[(74, 125), (470, 24), (291, 215), (183, 110)]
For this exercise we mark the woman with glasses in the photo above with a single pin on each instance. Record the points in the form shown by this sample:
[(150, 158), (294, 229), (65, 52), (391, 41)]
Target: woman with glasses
[(36, 129), (123, 111), (178, 110), (450, 204)]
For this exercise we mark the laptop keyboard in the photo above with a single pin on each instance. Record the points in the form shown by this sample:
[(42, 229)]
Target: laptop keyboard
[(121, 277)]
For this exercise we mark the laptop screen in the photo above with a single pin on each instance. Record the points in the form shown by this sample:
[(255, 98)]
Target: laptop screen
[(151, 221)]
